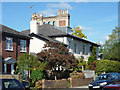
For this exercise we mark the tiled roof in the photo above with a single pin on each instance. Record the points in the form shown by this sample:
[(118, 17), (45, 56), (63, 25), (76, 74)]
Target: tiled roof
[(47, 31), (10, 31)]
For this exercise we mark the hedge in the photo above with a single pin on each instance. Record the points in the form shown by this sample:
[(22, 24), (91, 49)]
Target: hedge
[(107, 66)]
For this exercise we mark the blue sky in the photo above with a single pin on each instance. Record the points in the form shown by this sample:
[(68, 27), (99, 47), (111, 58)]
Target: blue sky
[(97, 19)]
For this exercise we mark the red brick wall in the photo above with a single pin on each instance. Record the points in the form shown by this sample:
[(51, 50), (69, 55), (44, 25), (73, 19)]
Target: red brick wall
[(6, 53), (62, 23)]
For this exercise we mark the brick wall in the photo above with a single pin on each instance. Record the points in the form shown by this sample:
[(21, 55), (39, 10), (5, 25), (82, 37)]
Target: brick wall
[(63, 83), (9, 76), (80, 82), (54, 83), (13, 54)]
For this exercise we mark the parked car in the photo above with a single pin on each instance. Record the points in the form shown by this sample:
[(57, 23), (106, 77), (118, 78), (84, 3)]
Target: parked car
[(26, 85), (11, 84), (113, 86), (104, 80)]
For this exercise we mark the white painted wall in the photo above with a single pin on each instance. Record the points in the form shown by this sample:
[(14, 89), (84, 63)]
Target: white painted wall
[(36, 45), (79, 47)]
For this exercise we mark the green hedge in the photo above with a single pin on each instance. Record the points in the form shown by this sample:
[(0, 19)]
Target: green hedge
[(107, 66)]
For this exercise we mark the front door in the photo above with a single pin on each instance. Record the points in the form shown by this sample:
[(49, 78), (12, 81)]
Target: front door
[(9, 68)]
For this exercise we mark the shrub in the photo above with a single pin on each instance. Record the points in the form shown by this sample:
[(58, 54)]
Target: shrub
[(90, 60), (92, 66), (38, 84), (107, 66), (75, 75), (37, 75)]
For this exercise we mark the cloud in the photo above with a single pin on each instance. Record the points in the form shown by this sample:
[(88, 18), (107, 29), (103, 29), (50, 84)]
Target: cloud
[(84, 28), (49, 12), (61, 5), (53, 7), (106, 37)]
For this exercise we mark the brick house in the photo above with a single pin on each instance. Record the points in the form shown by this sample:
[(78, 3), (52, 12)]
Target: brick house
[(13, 44)]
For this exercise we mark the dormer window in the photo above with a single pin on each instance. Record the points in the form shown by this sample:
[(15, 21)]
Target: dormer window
[(22, 45), (9, 43)]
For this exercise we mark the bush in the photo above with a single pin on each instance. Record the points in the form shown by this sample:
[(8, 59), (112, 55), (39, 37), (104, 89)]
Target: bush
[(38, 84), (37, 75), (92, 66), (90, 60), (107, 66), (75, 75)]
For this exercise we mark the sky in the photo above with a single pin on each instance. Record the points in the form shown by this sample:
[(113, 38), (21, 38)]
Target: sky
[(97, 19)]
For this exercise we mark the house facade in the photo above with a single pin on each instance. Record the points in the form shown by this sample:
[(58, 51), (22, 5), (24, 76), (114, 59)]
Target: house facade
[(57, 29), (13, 44)]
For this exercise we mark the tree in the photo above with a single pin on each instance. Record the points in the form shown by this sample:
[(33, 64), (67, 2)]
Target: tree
[(27, 62), (111, 46), (93, 57), (57, 55), (78, 32)]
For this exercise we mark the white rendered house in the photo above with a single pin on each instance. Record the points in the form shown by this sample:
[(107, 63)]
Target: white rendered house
[(56, 29)]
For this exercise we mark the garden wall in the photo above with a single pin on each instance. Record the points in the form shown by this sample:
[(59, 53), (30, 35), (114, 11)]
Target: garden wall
[(63, 83), (80, 82), (10, 76), (54, 83)]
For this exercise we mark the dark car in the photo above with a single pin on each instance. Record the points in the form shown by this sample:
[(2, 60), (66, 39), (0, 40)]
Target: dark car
[(26, 85), (113, 86), (11, 84), (104, 80)]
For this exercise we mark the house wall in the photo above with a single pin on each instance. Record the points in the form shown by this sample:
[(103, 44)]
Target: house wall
[(36, 45), (79, 47), (16, 49), (61, 19)]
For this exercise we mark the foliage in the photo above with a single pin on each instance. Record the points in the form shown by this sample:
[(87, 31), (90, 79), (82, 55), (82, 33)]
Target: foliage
[(78, 32), (27, 62), (57, 55), (92, 66), (68, 83), (93, 57), (38, 84), (94, 53), (80, 64), (111, 46), (75, 75), (39, 73), (107, 66), (90, 60)]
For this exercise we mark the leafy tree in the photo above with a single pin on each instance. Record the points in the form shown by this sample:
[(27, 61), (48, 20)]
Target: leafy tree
[(57, 55), (39, 73), (111, 46), (78, 32), (93, 57), (27, 62)]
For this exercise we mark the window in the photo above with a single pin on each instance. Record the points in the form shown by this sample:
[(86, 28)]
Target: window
[(69, 43), (23, 45), (75, 48), (9, 43), (44, 23), (49, 22), (83, 49), (54, 23)]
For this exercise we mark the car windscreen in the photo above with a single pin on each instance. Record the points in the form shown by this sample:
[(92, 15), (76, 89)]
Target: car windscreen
[(10, 84), (103, 77)]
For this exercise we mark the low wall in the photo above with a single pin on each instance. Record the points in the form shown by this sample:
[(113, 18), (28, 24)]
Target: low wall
[(10, 76), (54, 83), (80, 82), (63, 83)]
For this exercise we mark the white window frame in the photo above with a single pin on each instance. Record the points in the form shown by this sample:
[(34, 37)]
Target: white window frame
[(23, 45), (9, 44)]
